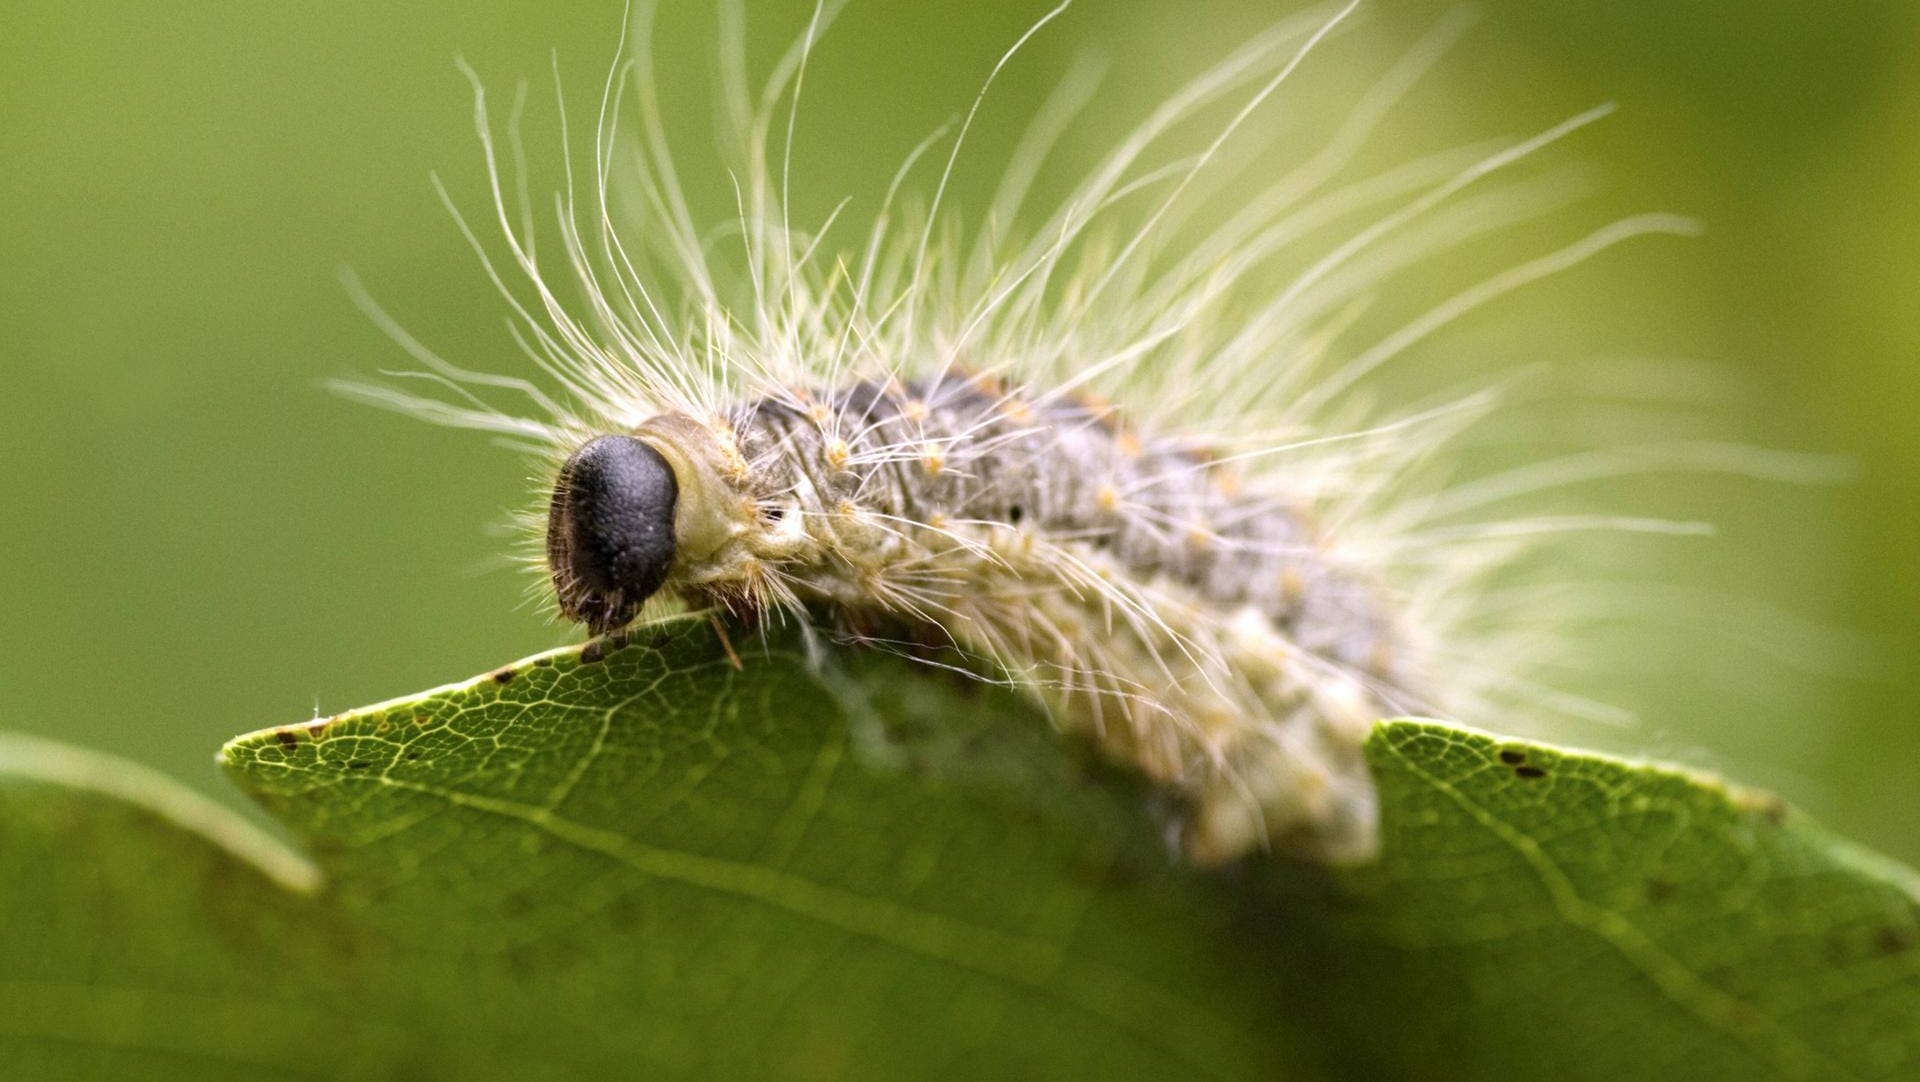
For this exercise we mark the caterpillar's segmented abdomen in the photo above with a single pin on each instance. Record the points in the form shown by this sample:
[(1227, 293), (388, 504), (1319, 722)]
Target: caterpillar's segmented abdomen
[(1201, 632)]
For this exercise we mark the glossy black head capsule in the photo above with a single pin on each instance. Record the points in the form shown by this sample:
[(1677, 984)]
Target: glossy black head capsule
[(610, 530)]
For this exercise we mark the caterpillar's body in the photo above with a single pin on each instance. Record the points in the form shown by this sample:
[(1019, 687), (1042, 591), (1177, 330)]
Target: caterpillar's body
[(1222, 580), (1195, 628)]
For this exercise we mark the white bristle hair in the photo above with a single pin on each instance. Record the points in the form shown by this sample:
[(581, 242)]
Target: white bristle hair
[(980, 345)]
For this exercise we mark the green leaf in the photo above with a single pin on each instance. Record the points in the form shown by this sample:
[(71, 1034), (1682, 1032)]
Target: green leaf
[(643, 863)]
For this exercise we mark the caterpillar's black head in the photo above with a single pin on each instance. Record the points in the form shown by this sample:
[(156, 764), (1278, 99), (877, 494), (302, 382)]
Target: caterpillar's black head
[(610, 530)]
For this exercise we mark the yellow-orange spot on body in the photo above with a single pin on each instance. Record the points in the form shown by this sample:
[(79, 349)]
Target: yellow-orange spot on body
[(838, 453), (1108, 498), (1101, 409), (988, 384), (1303, 514), (933, 459), (1315, 785), (733, 464), (1199, 535), (846, 508), (914, 409), (1293, 585), (937, 521), (820, 413), (1128, 444), (1227, 482), (1380, 658), (1017, 411), (1213, 724)]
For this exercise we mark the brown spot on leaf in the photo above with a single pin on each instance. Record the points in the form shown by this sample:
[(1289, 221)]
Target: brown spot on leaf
[(1763, 804), (504, 676), (1893, 940), (626, 913), (1529, 772), (287, 737), (1512, 756)]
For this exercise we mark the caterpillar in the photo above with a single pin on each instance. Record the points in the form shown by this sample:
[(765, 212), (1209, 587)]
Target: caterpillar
[(1106, 455)]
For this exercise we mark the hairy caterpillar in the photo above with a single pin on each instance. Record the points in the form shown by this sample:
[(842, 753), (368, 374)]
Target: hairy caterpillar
[(1107, 466)]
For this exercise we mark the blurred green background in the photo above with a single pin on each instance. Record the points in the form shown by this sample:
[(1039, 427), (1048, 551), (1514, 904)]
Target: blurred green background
[(200, 541)]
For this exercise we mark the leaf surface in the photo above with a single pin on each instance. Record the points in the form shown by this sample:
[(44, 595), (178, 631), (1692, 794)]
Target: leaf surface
[(645, 863)]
